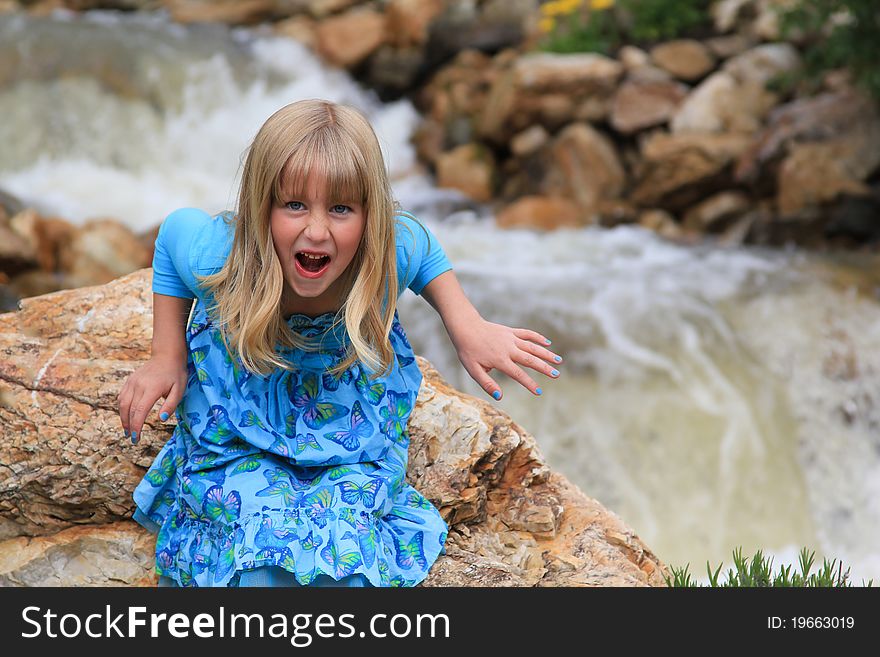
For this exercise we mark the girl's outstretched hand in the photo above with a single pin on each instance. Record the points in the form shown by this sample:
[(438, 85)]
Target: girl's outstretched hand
[(483, 346), (158, 377)]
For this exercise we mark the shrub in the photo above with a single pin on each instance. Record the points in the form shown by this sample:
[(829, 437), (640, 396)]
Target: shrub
[(604, 25), (838, 34), (759, 572)]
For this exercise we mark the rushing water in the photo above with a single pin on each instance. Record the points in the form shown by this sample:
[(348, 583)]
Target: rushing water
[(710, 397)]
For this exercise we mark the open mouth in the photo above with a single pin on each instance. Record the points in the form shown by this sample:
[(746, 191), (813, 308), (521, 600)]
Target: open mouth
[(312, 263)]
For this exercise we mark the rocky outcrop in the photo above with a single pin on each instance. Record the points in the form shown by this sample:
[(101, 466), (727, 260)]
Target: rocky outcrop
[(40, 254), (68, 472)]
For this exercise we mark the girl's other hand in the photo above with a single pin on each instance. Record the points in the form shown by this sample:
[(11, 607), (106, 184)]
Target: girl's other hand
[(158, 377), (485, 346)]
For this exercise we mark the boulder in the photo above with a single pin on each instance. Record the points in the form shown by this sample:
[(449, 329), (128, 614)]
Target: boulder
[(678, 170), (582, 164), (550, 90), (686, 59), (763, 63), (469, 168), (407, 21), (816, 149), (68, 475), (529, 141), (662, 223), (348, 39), (323, 8), (721, 103), (638, 105), (717, 212), (542, 212), (233, 12), (101, 250)]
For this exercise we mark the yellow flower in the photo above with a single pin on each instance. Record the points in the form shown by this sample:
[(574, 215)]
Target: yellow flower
[(560, 7), (547, 25), (599, 5), (551, 9)]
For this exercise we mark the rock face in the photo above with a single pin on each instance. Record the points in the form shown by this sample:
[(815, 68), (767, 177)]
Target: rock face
[(68, 472)]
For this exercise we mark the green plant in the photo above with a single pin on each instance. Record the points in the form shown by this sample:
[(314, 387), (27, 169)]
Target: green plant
[(759, 572), (837, 34), (657, 20), (605, 25), (575, 26)]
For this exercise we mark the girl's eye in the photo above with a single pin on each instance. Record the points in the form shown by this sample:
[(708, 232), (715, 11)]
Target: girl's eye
[(294, 205), (339, 209)]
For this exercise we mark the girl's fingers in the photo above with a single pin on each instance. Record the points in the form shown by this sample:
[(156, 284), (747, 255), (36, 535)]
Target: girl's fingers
[(536, 364), (539, 351), (125, 398), (518, 374), (124, 404), (528, 334), (138, 413), (170, 403), (485, 381)]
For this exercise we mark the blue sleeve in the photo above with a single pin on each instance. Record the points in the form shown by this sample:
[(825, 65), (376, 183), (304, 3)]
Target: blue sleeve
[(172, 272), (420, 258)]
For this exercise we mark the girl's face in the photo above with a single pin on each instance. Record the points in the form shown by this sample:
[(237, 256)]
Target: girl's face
[(315, 237)]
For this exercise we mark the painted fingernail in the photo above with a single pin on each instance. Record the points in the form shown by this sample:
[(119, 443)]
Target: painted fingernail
[(134, 437), (163, 416), (497, 394), (548, 342), (554, 373), (558, 359), (537, 391)]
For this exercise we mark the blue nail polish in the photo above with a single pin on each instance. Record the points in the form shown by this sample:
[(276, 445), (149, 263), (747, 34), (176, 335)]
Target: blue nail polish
[(163, 416), (497, 394), (554, 373), (558, 359), (548, 342), (134, 436), (537, 391)]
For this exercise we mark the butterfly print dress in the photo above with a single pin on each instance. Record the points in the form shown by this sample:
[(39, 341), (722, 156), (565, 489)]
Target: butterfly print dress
[(298, 469)]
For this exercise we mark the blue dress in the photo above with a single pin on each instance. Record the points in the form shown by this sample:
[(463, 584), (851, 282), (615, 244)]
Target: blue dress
[(296, 469)]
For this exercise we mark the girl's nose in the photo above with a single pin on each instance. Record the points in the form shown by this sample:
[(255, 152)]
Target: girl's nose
[(317, 229)]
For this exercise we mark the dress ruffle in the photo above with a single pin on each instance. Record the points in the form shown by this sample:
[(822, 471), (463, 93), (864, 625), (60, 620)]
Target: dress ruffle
[(297, 469)]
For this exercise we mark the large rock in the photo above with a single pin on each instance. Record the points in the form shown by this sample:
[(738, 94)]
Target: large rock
[(582, 165), (551, 90), (407, 21), (348, 39), (763, 63), (65, 488), (678, 170), (686, 59), (816, 149), (721, 103), (542, 212), (469, 168), (643, 104), (233, 12)]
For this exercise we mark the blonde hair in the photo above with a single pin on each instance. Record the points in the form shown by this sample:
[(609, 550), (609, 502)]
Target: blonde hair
[(338, 142)]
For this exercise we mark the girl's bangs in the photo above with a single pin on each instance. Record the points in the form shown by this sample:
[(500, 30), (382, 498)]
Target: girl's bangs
[(340, 164)]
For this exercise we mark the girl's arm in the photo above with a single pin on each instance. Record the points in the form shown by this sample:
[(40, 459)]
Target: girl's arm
[(164, 375), (483, 346)]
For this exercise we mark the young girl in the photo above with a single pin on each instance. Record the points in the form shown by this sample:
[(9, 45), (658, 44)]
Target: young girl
[(293, 381)]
